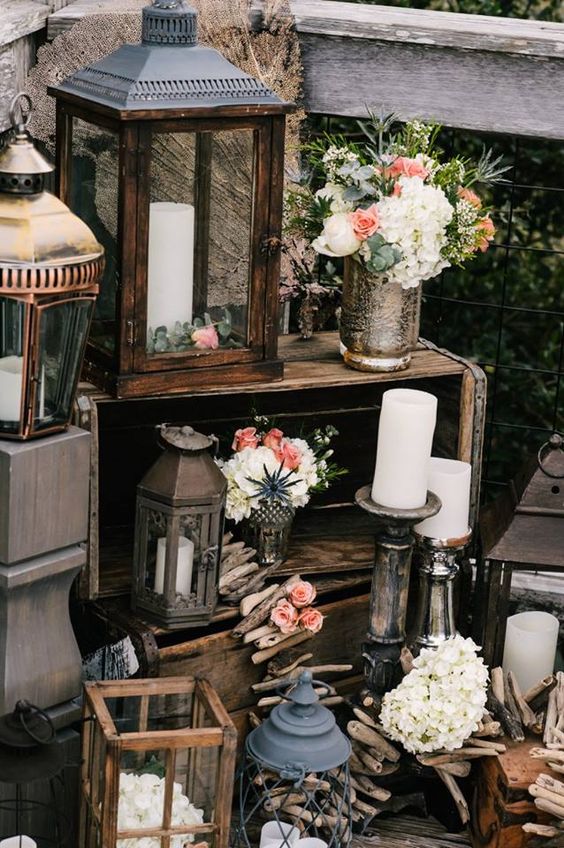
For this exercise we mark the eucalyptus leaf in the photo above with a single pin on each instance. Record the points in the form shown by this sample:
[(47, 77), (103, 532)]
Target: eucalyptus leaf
[(207, 319), (161, 330), (198, 323), (353, 193), (224, 329), (375, 242)]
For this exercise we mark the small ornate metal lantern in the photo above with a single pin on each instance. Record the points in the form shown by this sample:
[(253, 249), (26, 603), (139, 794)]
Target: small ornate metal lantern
[(31, 774), (158, 764), (175, 157), (50, 263), (179, 531), (296, 771), (523, 530)]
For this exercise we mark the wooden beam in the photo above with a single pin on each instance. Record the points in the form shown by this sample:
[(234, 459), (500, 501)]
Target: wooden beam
[(19, 18), (468, 71)]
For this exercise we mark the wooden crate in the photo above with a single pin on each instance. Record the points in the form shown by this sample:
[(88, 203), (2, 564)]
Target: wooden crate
[(317, 389), (502, 803)]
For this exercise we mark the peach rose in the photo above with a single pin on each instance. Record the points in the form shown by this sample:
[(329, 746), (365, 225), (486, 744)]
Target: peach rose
[(290, 455), (246, 438), (396, 191), (403, 166), (470, 196), (285, 617), (302, 594), (365, 222), (311, 619), (206, 338), (486, 232), (273, 439)]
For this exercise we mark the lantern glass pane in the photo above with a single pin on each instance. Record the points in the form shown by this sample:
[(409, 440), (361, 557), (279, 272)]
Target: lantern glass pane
[(12, 335), (161, 530), (94, 198), (199, 243), (62, 333)]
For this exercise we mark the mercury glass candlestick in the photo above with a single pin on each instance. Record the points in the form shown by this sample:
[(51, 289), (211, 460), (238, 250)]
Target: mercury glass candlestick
[(390, 584), (435, 612)]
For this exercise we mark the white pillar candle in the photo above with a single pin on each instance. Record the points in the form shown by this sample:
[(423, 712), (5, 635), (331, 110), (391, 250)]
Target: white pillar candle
[(18, 842), (184, 567), (170, 271), (275, 834), (450, 480), (11, 368), (405, 437), (530, 647)]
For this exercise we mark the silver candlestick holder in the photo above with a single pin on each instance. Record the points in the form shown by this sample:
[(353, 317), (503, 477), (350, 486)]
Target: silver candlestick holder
[(390, 585), (437, 569)]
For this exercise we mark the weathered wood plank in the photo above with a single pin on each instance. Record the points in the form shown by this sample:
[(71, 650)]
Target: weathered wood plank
[(19, 18), (70, 14)]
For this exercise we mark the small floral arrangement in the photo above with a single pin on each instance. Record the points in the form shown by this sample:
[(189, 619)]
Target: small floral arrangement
[(393, 203), (294, 612), (271, 466), (141, 804), (200, 334), (440, 702)]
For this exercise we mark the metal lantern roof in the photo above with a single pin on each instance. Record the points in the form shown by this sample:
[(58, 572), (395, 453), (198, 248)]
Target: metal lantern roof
[(168, 70)]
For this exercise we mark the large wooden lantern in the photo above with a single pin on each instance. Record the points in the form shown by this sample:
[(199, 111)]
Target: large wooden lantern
[(50, 263), (523, 530), (175, 158)]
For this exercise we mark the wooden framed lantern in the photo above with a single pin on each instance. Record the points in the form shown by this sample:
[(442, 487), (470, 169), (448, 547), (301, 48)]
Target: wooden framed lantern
[(175, 158), (158, 764)]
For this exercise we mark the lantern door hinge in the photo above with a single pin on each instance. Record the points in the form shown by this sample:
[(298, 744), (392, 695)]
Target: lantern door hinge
[(270, 245), (131, 333)]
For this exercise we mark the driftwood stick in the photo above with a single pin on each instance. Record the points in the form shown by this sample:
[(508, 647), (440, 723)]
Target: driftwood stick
[(550, 783), (256, 581), (237, 560), (551, 717), (226, 539), (268, 685), (541, 829), (461, 769), (262, 612), (371, 763), (526, 714), (557, 767), (254, 720), (497, 685), (492, 728), (290, 641), (376, 793), (249, 603), (271, 639), (541, 792), (549, 807), (512, 727), (439, 759), (457, 795), (274, 700), (406, 660), (542, 688), (547, 754), (287, 660), (259, 632), (486, 743), (364, 718), (373, 739), (274, 803), (230, 549), (510, 703)]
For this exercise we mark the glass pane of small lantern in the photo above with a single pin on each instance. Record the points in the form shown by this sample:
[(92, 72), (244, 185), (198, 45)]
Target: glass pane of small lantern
[(94, 198), (63, 328), (160, 530), (12, 331), (200, 227)]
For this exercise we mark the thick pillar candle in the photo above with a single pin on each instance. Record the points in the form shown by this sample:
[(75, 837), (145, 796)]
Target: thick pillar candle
[(11, 368), (405, 437), (450, 480), (184, 567), (18, 842), (530, 647), (170, 272)]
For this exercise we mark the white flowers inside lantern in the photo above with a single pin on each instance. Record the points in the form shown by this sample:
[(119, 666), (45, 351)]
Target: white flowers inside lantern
[(141, 802)]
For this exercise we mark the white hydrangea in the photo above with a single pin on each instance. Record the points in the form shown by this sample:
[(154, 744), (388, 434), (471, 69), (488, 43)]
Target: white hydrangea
[(141, 805), (334, 193), (415, 221), (440, 702)]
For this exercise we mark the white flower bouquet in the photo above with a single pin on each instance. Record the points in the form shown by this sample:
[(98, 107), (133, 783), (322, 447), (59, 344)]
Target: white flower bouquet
[(393, 203), (440, 702), (141, 804)]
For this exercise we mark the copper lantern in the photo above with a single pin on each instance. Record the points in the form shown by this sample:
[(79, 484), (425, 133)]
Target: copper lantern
[(179, 531), (50, 263), (175, 158)]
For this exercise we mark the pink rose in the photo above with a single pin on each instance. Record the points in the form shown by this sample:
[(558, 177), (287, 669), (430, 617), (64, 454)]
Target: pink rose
[(285, 617), (405, 167), (302, 594), (290, 455), (246, 438), (365, 222), (311, 619), (273, 439), (486, 232), (206, 338), (396, 191), (470, 196)]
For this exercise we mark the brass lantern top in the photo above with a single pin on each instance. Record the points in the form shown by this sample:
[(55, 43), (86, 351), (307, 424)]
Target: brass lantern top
[(43, 245), (526, 524)]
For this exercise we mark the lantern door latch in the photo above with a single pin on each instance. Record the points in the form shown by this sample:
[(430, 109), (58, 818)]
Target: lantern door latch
[(270, 245), (131, 333)]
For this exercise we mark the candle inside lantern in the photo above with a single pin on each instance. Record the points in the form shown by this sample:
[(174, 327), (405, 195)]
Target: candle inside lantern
[(18, 842), (450, 480), (277, 834), (11, 381), (170, 271), (405, 437), (184, 566), (530, 647)]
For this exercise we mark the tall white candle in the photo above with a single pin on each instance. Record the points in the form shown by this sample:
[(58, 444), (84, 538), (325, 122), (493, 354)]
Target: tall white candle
[(405, 437), (184, 567), (450, 480), (530, 647), (18, 842), (170, 269), (11, 368)]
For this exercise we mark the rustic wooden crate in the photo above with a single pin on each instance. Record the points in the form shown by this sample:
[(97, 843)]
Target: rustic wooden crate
[(502, 803), (317, 389)]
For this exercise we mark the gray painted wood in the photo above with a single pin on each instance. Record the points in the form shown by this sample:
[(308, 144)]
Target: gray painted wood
[(19, 21), (68, 15), (44, 494)]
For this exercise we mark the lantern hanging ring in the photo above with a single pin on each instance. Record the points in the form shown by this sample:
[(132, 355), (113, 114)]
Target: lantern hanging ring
[(556, 442), (23, 101), (25, 710)]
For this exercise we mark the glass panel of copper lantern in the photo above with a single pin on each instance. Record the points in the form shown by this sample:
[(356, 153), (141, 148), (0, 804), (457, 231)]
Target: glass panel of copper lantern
[(94, 186), (13, 320), (199, 241)]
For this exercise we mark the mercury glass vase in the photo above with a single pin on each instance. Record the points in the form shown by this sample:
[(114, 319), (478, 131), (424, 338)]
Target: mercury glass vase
[(268, 531), (379, 320)]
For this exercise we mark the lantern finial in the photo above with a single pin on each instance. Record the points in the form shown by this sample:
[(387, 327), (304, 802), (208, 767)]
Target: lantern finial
[(169, 22), (22, 167)]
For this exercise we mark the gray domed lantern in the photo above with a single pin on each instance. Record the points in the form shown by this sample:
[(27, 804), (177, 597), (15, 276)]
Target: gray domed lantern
[(175, 158), (296, 772)]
